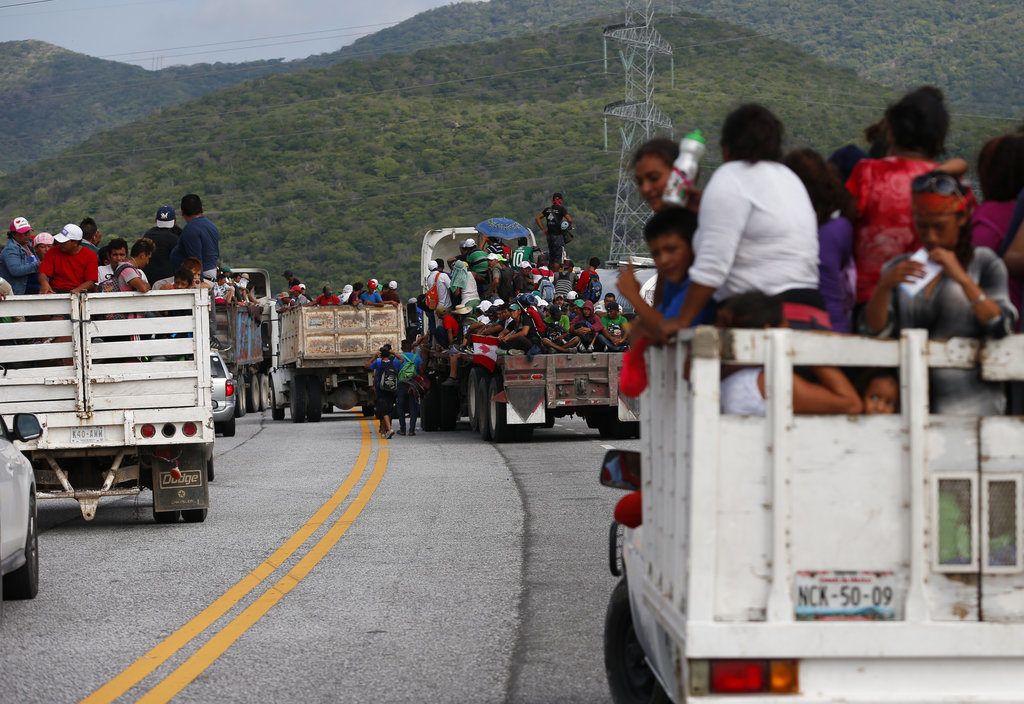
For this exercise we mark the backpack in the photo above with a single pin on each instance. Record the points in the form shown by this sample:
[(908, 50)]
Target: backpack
[(408, 370), (506, 286), (389, 378), (546, 290), (431, 297), (112, 284), (594, 289)]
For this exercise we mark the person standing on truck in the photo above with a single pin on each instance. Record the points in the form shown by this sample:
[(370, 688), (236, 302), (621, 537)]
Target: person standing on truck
[(91, 235), (371, 296), (523, 252), (463, 287), (588, 285), (386, 387), (556, 222), (199, 239), (69, 267), (164, 234), (390, 294), (18, 263)]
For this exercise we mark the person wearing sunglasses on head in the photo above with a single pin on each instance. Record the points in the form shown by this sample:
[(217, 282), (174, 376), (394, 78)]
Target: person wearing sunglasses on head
[(950, 288)]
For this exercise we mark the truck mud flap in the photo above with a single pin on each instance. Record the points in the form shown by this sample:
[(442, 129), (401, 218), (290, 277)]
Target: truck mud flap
[(525, 405), (191, 490), (629, 409)]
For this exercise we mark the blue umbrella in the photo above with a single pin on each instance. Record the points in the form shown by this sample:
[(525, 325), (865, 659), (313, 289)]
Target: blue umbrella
[(502, 228)]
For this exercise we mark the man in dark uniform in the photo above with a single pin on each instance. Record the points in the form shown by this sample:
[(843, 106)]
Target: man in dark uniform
[(556, 222)]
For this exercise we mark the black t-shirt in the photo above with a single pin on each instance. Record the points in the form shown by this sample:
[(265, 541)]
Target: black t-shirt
[(164, 239), (525, 321), (553, 216)]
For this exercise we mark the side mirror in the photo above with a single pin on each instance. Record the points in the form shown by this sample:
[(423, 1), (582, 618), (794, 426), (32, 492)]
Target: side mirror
[(621, 470), (26, 427)]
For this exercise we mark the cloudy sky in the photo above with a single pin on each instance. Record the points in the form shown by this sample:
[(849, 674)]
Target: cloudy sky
[(165, 32)]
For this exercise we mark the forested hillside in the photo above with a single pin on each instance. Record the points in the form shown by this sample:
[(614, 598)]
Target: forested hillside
[(334, 171)]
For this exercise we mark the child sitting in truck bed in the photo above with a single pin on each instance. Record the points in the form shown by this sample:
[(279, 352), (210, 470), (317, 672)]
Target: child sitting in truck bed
[(743, 391)]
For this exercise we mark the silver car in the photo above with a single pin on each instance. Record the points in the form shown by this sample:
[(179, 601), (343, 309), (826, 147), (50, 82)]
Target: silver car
[(224, 397), (19, 539)]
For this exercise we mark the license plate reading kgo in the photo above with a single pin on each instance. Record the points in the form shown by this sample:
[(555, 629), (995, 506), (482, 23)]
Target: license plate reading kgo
[(88, 434), (846, 596)]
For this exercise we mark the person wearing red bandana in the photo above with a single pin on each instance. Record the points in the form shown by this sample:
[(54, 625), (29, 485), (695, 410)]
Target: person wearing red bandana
[(950, 288)]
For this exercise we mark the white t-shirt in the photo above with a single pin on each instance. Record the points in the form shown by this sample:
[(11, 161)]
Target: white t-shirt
[(444, 296), (104, 272), (739, 394), (758, 231)]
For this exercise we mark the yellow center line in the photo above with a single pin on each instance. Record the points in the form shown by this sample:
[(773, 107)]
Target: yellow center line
[(188, 671), (165, 649)]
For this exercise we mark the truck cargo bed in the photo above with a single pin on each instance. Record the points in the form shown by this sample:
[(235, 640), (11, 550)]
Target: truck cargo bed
[(329, 336)]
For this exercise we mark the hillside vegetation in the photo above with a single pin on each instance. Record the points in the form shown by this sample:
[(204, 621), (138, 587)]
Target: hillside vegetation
[(335, 171)]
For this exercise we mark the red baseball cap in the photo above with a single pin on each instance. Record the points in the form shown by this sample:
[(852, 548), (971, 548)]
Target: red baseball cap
[(19, 225)]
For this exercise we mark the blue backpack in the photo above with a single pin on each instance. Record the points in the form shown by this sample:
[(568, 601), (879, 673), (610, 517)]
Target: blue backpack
[(594, 289), (546, 289)]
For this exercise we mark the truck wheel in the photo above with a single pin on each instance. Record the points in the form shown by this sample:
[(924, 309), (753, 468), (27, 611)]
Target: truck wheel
[(297, 396), (240, 399), (483, 405), (430, 409), (276, 412), (449, 406), (629, 677), (209, 470), (498, 415), (472, 405), (314, 399), (23, 583), (265, 386), (166, 516), (251, 389), (549, 420), (227, 428), (194, 515)]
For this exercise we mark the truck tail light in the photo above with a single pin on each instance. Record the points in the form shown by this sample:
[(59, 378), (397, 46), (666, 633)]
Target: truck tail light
[(536, 376), (189, 429), (744, 677), (229, 388), (148, 430)]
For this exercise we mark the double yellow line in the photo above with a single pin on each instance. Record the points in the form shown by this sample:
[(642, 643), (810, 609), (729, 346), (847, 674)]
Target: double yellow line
[(195, 665)]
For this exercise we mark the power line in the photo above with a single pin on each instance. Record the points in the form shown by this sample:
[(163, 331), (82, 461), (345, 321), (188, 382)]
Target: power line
[(19, 4), (253, 46)]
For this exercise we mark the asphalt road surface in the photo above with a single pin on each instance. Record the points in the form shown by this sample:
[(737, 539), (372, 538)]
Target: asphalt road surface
[(333, 567)]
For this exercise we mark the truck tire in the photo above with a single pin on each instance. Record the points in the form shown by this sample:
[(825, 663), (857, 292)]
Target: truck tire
[(166, 516), (629, 677), (23, 583), (297, 397), (472, 405), (497, 415), (276, 412), (226, 428), (314, 399), (430, 409), (483, 405), (251, 389), (265, 386), (240, 399), (256, 393), (194, 515), (449, 407), (209, 470)]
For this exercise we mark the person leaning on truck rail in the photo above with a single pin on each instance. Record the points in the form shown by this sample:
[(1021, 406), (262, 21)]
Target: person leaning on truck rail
[(69, 267), (18, 263), (965, 294), (200, 238)]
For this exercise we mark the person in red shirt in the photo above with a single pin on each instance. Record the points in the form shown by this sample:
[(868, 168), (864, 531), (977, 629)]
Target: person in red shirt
[(327, 298), (68, 267), (916, 127)]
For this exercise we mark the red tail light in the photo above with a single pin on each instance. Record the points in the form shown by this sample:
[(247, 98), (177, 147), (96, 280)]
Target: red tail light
[(148, 430), (229, 388), (739, 676), (189, 429)]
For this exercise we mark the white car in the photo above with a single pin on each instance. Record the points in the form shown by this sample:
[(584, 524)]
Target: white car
[(19, 539)]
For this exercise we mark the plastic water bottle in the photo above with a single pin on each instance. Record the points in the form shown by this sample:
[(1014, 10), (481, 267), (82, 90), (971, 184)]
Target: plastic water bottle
[(684, 171)]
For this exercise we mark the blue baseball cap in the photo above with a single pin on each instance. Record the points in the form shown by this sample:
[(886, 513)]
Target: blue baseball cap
[(165, 217)]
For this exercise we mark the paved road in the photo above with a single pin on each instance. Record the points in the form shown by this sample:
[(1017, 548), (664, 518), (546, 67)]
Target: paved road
[(435, 568)]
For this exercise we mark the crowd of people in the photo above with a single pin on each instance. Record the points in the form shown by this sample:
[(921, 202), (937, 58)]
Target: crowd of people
[(870, 242)]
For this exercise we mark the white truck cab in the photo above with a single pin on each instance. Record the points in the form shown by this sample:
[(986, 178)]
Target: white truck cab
[(784, 558)]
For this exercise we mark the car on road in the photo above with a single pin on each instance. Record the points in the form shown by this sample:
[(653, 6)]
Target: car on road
[(224, 396), (19, 540)]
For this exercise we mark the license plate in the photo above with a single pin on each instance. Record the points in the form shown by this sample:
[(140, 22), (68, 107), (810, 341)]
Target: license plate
[(88, 434), (845, 596)]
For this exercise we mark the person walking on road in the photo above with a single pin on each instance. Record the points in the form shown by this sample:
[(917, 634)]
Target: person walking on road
[(199, 239), (556, 222), (164, 234), (386, 386), (17, 260), (408, 402)]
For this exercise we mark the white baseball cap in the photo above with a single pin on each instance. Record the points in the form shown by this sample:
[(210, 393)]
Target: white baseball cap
[(69, 233), (469, 243), (432, 265), (484, 306), (393, 285), (497, 302), (541, 303), (572, 295), (526, 265), (492, 257)]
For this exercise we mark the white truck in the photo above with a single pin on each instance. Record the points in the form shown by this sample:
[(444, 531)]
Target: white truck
[(824, 558), (121, 385), (322, 353)]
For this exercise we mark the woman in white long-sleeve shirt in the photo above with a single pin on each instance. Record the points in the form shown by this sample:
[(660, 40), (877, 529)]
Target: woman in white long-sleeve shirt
[(758, 230)]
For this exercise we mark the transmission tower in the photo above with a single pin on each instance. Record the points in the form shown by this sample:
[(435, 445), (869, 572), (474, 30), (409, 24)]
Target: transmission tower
[(639, 45)]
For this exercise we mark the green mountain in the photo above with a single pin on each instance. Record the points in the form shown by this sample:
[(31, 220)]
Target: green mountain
[(333, 172)]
